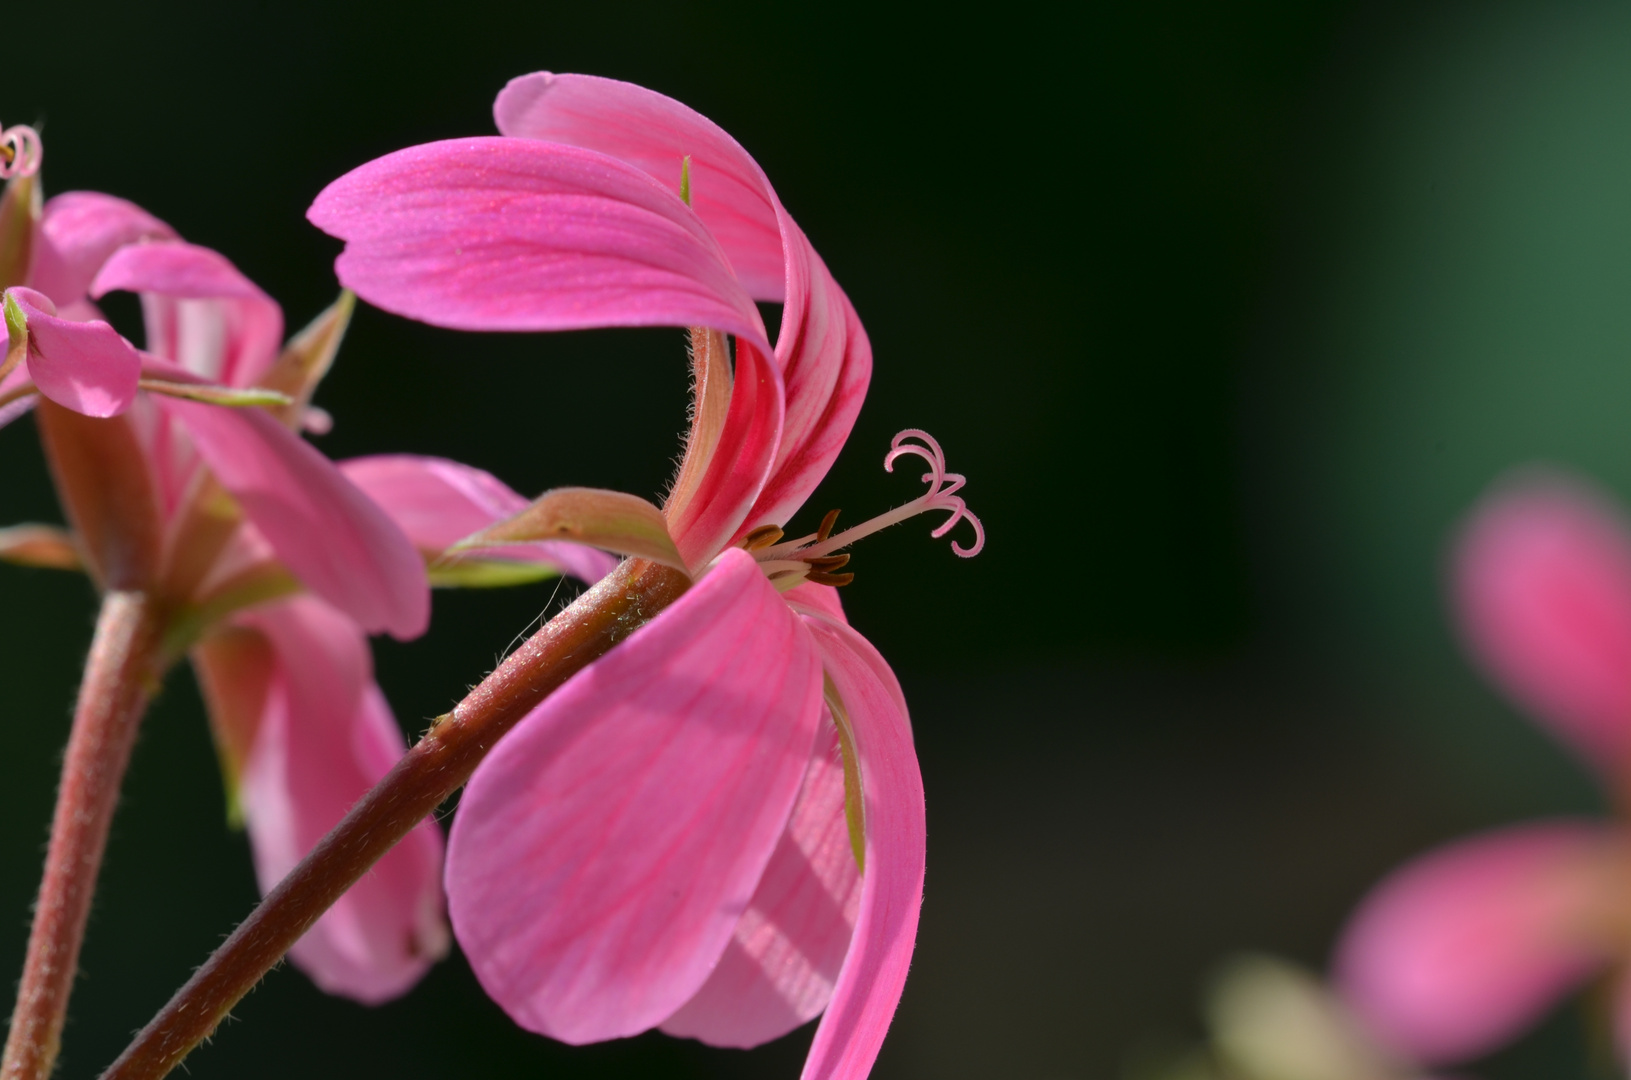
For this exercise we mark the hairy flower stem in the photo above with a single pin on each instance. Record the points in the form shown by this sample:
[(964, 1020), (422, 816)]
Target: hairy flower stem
[(119, 675), (436, 767)]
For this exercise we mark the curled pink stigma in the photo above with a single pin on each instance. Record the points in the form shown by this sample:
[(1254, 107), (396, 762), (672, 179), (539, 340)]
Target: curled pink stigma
[(20, 151), (943, 486), (811, 557)]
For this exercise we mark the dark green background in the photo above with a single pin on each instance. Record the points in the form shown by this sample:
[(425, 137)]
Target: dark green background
[(1227, 310)]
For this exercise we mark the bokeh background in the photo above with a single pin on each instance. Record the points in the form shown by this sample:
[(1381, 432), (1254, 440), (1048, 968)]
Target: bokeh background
[(1228, 311)]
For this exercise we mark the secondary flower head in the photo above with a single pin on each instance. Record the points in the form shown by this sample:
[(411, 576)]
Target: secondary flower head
[(717, 828), (1463, 948), (181, 469)]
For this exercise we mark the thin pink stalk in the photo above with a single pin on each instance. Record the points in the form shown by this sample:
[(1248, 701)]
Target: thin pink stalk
[(118, 675), (438, 765)]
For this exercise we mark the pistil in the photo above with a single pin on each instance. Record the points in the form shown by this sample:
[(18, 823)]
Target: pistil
[(811, 558)]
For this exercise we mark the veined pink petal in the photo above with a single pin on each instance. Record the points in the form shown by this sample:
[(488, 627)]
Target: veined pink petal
[(83, 366), (326, 735), (438, 502), (655, 133), (78, 231), (330, 535), (874, 972), (741, 460), (1543, 595), (826, 364), (513, 234), (603, 852), (201, 312), (779, 969), (1461, 949)]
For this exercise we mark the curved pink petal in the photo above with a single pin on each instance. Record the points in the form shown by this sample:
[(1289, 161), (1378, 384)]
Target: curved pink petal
[(1461, 949), (513, 234), (779, 969), (83, 366), (330, 535), (822, 350), (201, 311), (826, 363), (655, 134), (325, 737), (77, 233), (603, 852), (1543, 598), (741, 460), (874, 973), (438, 502)]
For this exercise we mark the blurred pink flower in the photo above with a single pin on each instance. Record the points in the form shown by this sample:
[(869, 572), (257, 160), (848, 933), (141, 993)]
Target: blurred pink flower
[(225, 515), (1464, 947), (717, 828)]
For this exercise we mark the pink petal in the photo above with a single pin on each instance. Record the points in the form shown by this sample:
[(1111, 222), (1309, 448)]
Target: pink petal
[(325, 737), (816, 599), (329, 534), (741, 459), (604, 851), (438, 502), (512, 234), (1463, 948), (655, 134), (826, 363), (874, 972), (83, 366), (78, 231), (822, 350), (201, 312), (779, 969), (1543, 596)]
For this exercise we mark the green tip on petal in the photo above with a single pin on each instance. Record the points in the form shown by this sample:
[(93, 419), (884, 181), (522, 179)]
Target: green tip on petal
[(610, 520), (685, 179), (210, 393), (486, 573)]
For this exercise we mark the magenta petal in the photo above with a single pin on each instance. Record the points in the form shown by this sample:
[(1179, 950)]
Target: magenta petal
[(779, 969), (201, 312), (826, 364), (512, 234), (83, 366), (1543, 595), (874, 972), (325, 737), (655, 134), (1463, 948), (78, 231), (603, 852), (438, 502), (740, 462), (330, 535)]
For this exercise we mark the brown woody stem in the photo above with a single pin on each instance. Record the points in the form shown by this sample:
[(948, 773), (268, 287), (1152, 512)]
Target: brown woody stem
[(119, 675), (436, 767)]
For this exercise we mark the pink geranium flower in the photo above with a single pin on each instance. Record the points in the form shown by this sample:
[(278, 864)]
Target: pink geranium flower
[(717, 828), (272, 564), (1465, 947)]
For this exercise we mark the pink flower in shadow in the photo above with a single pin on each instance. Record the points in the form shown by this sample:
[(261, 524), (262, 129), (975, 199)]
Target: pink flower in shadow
[(272, 563), (1463, 948), (717, 828)]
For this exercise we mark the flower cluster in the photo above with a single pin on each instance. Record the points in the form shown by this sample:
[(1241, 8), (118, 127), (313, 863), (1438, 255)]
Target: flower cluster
[(716, 827)]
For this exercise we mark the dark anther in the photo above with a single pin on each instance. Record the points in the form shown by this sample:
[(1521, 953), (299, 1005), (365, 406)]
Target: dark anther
[(762, 537), (826, 525), (821, 577), (827, 562), (8, 153)]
